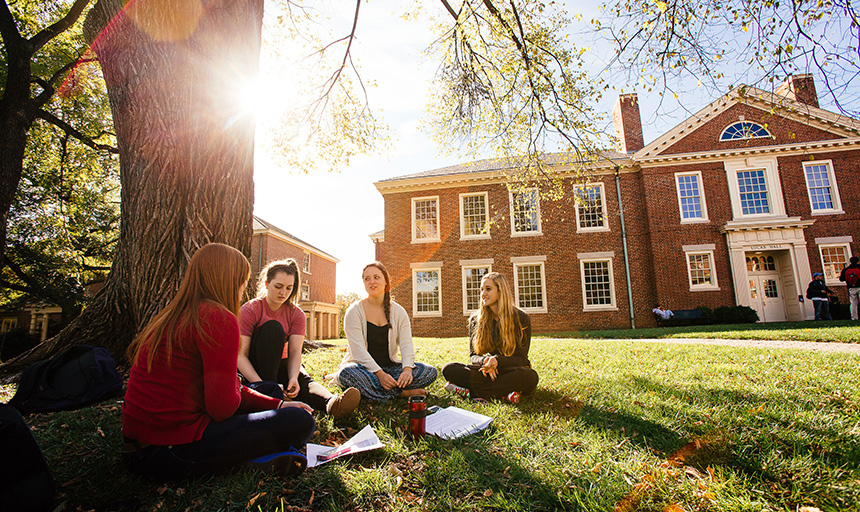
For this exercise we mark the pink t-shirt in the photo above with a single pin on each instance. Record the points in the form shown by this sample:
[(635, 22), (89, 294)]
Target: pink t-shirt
[(256, 312)]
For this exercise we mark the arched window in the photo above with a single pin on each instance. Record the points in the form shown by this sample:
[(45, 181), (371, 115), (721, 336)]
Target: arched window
[(744, 130)]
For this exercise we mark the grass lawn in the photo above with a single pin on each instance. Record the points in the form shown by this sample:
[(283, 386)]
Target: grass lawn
[(614, 425)]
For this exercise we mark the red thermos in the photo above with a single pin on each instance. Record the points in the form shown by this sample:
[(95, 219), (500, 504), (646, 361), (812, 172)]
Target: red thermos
[(417, 415)]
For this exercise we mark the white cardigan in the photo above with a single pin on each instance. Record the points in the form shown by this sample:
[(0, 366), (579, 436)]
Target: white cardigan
[(399, 337)]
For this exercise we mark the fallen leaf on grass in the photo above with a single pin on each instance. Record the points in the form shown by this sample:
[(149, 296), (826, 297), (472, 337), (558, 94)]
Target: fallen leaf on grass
[(254, 499), (809, 509), (488, 493), (622, 443), (674, 507), (311, 501), (99, 431), (596, 468)]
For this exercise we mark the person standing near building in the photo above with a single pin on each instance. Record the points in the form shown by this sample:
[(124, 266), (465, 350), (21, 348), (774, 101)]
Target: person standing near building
[(819, 294), (499, 339), (851, 277), (380, 357), (273, 332)]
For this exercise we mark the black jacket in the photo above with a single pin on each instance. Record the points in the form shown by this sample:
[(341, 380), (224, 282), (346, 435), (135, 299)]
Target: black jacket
[(842, 275), (817, 289)]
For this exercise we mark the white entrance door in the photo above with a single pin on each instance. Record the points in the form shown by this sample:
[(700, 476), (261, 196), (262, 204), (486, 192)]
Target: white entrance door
[(766, 297)]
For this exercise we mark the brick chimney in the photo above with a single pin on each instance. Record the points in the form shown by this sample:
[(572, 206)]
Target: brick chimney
[(628, 124), (799, 88)]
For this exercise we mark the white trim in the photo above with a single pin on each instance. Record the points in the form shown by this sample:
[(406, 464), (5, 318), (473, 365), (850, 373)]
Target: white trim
[(612, 306), (768, 164), (488, 264), (480, 236), (834, 189), (306, 254), (768, 136), (476, 263), (699, 248), (302, 292), (426, 314), (835, 280), (538, 261), (595, 255), (426, 264), (714, 285), (527, 259), (835, 240), (539, 230), (425, 240), (577, 188), (702, 203)]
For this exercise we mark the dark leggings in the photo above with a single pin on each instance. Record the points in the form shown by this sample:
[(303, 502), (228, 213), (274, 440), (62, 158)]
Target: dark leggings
[(265, 352), (224, 444), (518, 378)]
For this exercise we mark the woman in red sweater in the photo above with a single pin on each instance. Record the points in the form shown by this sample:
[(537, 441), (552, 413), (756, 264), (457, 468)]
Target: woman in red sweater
[(185, 411)]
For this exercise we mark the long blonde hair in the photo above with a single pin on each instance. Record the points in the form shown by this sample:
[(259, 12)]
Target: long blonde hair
[(287, 266), (215, 275), (509, 319)]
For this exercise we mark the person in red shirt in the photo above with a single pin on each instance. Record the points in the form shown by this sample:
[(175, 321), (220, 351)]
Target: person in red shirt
[(272, 332), (185, 411)]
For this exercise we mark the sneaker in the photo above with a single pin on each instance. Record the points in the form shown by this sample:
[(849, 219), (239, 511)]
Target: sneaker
[(343, 404), (288, 463), (514, 397), (457, 390)]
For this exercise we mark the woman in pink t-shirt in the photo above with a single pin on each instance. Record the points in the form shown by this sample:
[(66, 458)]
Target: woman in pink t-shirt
[(272, 329)]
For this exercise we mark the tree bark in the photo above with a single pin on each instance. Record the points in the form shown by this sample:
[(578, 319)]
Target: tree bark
[(186, 152)]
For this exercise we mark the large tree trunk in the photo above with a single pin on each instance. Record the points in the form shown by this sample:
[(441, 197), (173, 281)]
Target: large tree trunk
[(186, 153)]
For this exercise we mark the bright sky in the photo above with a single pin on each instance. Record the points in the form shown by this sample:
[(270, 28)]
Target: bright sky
[(337, 212)]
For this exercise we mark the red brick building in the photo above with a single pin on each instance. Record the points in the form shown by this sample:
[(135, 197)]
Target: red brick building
[(737, 205), (317, 295)]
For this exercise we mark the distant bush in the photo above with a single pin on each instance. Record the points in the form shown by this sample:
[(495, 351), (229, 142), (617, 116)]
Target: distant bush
[(734, 315), (16, 342)]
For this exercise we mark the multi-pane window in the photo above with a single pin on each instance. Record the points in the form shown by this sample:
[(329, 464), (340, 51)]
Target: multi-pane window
[(590, 207), (306, 291), (425, 219), (597, 289), (744, 130), (530, 286), (525, 212), (8, 324), (700, 270), (691, 200), (752, 188), (833, 259), (306, 262), (759, 264), (426, 292), (472, 287), (474, 220), (821, 185)]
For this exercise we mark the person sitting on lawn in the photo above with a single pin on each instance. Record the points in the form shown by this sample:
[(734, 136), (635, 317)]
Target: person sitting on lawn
[(662, 312), (272, 329), (377, 328), (819, 294), (499, 340), (185, 411)]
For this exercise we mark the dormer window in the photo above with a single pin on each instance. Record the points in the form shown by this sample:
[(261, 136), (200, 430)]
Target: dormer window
[(744, 130)]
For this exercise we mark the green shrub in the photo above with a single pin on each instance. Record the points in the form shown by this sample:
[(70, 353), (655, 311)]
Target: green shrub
[(735, 315)]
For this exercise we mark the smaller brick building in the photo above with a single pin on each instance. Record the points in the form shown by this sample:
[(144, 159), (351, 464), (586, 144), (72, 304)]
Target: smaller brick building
[(317, 295), (737, 205)]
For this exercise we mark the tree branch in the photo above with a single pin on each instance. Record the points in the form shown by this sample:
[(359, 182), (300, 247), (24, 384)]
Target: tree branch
[(41, 39), (87, 141)]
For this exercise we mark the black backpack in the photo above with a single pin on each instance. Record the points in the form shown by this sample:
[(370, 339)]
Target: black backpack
[(76, 377), (25, 482)]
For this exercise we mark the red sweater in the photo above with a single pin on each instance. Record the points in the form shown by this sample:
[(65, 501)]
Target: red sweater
[(173, 403)]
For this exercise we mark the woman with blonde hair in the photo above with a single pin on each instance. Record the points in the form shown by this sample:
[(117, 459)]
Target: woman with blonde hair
[(380, 358), (185, 411), (499, 339), (272, 329)]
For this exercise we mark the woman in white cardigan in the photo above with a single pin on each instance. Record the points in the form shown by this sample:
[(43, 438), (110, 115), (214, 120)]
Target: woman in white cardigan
[(380, 358)]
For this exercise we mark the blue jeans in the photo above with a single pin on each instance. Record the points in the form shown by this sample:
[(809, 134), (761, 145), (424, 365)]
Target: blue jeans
[(357, 376), (224, 444), (822, 309)]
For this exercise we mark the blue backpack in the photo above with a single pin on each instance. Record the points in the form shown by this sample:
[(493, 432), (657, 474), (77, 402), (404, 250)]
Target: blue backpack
[(76, 377)]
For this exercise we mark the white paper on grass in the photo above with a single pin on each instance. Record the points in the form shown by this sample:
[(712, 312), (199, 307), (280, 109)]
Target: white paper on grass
[(453, 422), (363, 441)]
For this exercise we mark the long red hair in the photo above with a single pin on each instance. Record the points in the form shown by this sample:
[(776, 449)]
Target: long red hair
[(215, 275)]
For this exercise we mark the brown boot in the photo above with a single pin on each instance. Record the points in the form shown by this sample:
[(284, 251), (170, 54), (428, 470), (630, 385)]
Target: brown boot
[(344, 403)]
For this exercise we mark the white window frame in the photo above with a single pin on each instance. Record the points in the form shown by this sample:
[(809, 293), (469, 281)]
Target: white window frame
[(702, 203), (591, 258), (480, 236), (429, 266), (843, 242), (469, 265), (9, 324), (415, 239), (696, 251), (514, 232), (306, 291), (751, 137), (834, 189), (768, 164), (530, 261), (306, 263), (599, 186)]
